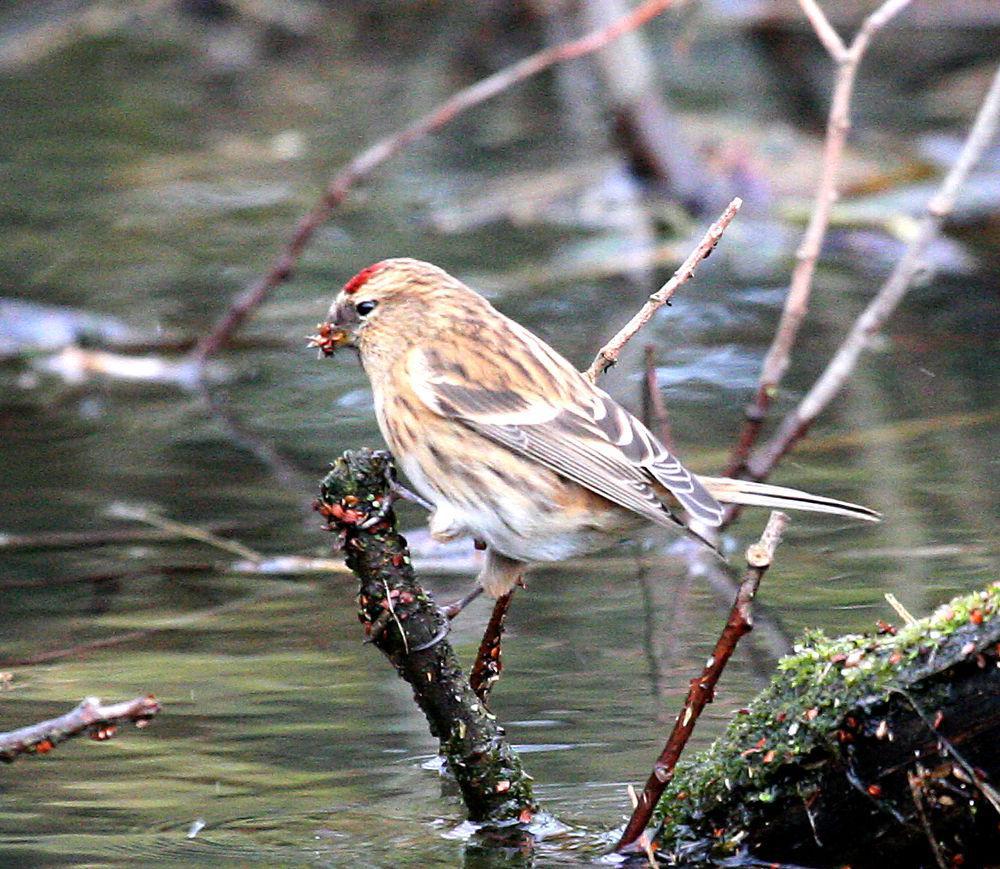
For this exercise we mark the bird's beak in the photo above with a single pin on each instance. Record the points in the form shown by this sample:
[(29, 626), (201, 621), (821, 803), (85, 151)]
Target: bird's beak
[(339, 330)]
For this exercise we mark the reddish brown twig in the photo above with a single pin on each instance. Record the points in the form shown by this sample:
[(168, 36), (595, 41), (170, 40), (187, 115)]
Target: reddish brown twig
[(702, 689), (654, 411), (90, 718), (776, 362), (372, 157), (794, 426), (489, 664), (609, 353)]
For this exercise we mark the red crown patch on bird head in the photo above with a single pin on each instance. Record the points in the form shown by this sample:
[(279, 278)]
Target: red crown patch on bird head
[(362, 277)]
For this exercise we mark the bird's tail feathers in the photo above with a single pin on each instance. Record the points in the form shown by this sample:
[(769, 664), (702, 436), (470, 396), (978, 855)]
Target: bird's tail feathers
[(747, 492)]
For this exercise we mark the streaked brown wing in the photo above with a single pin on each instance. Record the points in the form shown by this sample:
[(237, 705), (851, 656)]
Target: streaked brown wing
[(592, 440)]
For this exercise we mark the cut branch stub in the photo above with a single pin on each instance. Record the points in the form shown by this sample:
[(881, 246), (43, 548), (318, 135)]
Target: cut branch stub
[(405, 624)]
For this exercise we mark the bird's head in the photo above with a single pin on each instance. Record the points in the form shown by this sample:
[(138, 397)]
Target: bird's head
[(395, 296)]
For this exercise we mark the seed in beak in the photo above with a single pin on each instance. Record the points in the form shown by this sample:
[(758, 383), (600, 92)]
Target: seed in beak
[(327, 339)]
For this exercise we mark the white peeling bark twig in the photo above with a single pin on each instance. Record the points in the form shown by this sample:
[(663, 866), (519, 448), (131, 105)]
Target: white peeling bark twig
[(90, 717)]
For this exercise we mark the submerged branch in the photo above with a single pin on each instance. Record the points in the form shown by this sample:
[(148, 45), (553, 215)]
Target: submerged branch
[(404, 623), (90, 718)]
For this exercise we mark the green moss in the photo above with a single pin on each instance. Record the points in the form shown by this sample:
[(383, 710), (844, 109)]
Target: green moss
[(805, 714)]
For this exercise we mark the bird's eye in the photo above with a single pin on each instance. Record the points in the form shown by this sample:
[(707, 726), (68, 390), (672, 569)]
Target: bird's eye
[(365, 308)]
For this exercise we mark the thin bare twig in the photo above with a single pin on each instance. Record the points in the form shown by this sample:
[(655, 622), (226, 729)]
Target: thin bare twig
[(824, 29), (609, 353), (831, 381), (644, 842), (168, 624), (90, 717), (183, 530), (778, 356), (50, 540), (654, 410), (372, 157), (702, 690), (916, 781)]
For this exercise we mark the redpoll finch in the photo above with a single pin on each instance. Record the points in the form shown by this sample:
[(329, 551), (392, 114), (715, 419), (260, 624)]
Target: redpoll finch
[(509, 442)]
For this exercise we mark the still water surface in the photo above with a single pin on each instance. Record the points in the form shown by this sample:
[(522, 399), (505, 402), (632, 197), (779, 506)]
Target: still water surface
[(147, 186)]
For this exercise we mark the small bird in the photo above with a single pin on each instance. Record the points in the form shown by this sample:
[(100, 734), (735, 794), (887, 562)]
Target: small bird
[(505, 438)]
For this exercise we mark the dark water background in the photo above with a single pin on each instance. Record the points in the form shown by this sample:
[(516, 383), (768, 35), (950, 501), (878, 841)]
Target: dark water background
[(150, 170)]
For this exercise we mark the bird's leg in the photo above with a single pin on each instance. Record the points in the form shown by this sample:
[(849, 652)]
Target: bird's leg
[(488, 665), (445, 524), (453, 609), (398, 490)]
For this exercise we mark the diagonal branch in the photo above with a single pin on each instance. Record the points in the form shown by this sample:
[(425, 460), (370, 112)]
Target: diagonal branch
[(609, 353), (375, 155), (402, 621), (778, 356), (702, 690)]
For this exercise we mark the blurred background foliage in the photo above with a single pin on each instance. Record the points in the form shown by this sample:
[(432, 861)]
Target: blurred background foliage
[(154, 156)]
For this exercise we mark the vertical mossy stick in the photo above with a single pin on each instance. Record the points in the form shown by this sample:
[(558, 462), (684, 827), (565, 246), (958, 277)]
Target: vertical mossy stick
[(404, 623), (702, 689)]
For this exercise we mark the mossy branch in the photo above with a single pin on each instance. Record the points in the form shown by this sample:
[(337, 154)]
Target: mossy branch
[(862, 747), (404, 623)]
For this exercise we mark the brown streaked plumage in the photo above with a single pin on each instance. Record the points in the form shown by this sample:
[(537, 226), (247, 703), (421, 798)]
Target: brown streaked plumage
[(510, 443)]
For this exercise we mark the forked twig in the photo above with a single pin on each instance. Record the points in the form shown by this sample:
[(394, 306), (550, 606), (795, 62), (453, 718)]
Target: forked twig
[(794, 426), (778, 356), (609, 353), (90, 717), (702, 690), (375, 155)]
